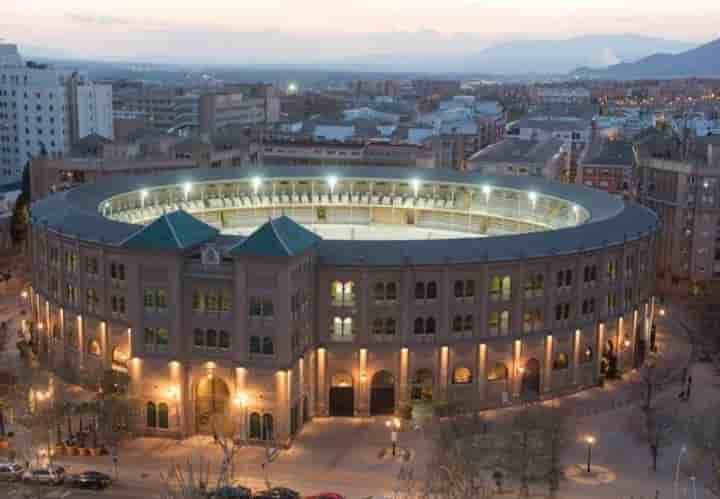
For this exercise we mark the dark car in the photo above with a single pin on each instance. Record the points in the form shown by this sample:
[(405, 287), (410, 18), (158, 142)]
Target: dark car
[(325, 495), (11, 471), (230, 492), (90, 480), (277, 493)]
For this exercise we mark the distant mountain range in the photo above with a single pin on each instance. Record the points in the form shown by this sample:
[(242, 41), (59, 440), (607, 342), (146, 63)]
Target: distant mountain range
[(541, 57), (702, 61)]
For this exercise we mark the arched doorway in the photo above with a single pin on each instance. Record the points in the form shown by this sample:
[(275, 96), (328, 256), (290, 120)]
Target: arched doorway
[(342, 396), (422, 386), (382, 393), (211, 405), (531, 379)]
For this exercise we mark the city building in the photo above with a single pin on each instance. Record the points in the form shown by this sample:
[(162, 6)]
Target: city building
[(255, 299), (562, 95), (521, 157), (680, 181), (607, 165), (43, 111)]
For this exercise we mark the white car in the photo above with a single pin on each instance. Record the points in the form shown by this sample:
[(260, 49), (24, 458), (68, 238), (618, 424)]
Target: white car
[(51, 475), (11, 471)]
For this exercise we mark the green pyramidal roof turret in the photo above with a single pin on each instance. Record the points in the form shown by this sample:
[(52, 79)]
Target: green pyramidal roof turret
[(172, 231), (279, 237)]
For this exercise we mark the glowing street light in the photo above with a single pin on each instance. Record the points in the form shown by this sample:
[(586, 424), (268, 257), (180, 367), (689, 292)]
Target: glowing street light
[(187, 187), (590, 441), (241, 399), (415, 183), (292, 87), (143, 195), (662, 312), (256, 184), (332, 182), (532, 195), (394, 426)]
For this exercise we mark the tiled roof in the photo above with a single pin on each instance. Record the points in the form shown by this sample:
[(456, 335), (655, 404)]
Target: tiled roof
[(172, 231), (279, 237)]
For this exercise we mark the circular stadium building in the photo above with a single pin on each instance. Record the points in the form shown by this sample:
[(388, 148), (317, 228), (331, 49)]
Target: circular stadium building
[(257, 299)]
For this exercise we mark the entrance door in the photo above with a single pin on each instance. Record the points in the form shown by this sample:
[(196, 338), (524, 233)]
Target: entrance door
[(211, 405), (382, 394), (342, 396), (531, 379)]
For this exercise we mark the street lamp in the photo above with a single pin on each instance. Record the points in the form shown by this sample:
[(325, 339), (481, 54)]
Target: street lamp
[(394, 426), (662, 312), (683, 451), (143, 195), (187, 187), (486, 189), (590, 441), (415, 183), (532, 195), (241, 400), (256, 183), (332, 182)]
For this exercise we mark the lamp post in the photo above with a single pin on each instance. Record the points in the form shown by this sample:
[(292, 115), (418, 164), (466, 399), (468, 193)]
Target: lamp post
[(590, 441), (676, 481), (692, 485), (394, 427)]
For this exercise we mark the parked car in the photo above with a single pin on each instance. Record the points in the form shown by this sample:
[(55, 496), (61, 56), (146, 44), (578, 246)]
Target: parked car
[(90, 479), (277, 493), (231, 492), (11, 471), (325, 495), (52, 475)]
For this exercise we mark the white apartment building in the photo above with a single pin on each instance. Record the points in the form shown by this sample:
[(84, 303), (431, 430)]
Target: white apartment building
[(44, 110)]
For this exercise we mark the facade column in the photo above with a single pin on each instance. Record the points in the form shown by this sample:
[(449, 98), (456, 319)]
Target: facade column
[(105, 346), (619, 344), (282, 433), (363, 406), (61, 348), (482, 372), (302, 391), (176, 392), (403, 388), (547, 366), (311, 384), (322, 393), (599, 349), (81, 341), (243, 399), (444, 367), (576, 355), (633, 337), (516, 375)]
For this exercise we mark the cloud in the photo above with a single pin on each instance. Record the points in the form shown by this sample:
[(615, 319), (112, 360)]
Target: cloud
[(97, 19)]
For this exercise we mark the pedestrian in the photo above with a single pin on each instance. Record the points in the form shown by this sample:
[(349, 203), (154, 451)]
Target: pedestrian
[(689, 388)]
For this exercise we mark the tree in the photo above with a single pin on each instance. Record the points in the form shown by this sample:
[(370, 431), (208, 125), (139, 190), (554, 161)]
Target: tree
[(21, 212)]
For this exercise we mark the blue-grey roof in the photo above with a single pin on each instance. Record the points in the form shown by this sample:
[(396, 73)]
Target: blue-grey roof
[(612, 221), (172, 231), (279, 237)]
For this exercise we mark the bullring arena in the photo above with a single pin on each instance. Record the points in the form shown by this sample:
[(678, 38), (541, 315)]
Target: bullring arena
[(260, 298)]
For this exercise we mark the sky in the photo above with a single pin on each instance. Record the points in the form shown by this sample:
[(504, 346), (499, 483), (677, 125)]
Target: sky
[(282, 31)]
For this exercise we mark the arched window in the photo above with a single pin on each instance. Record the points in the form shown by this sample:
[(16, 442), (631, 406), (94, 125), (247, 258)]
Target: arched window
[(94, 348), (211, 338), (255, 344), (267, 347), (349, 293), (211, 302), (561, 361), (419, 326), (419, 290), (255, 431), (457, 324), (163, 420), (336, 292), (498, 372), (150, 415), (430, 325), (267, 427), (390, 326), (459, 289), (469, 289), (504, 322), (347, 329), (377, 326), (468, 324), (431, 290), (462, 376), (506, 288), (198, 304), (422, 388), (224, 339), (199, 337), (494, 288), (587, 355), (379, 292), (391, 291), (119, 356)]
